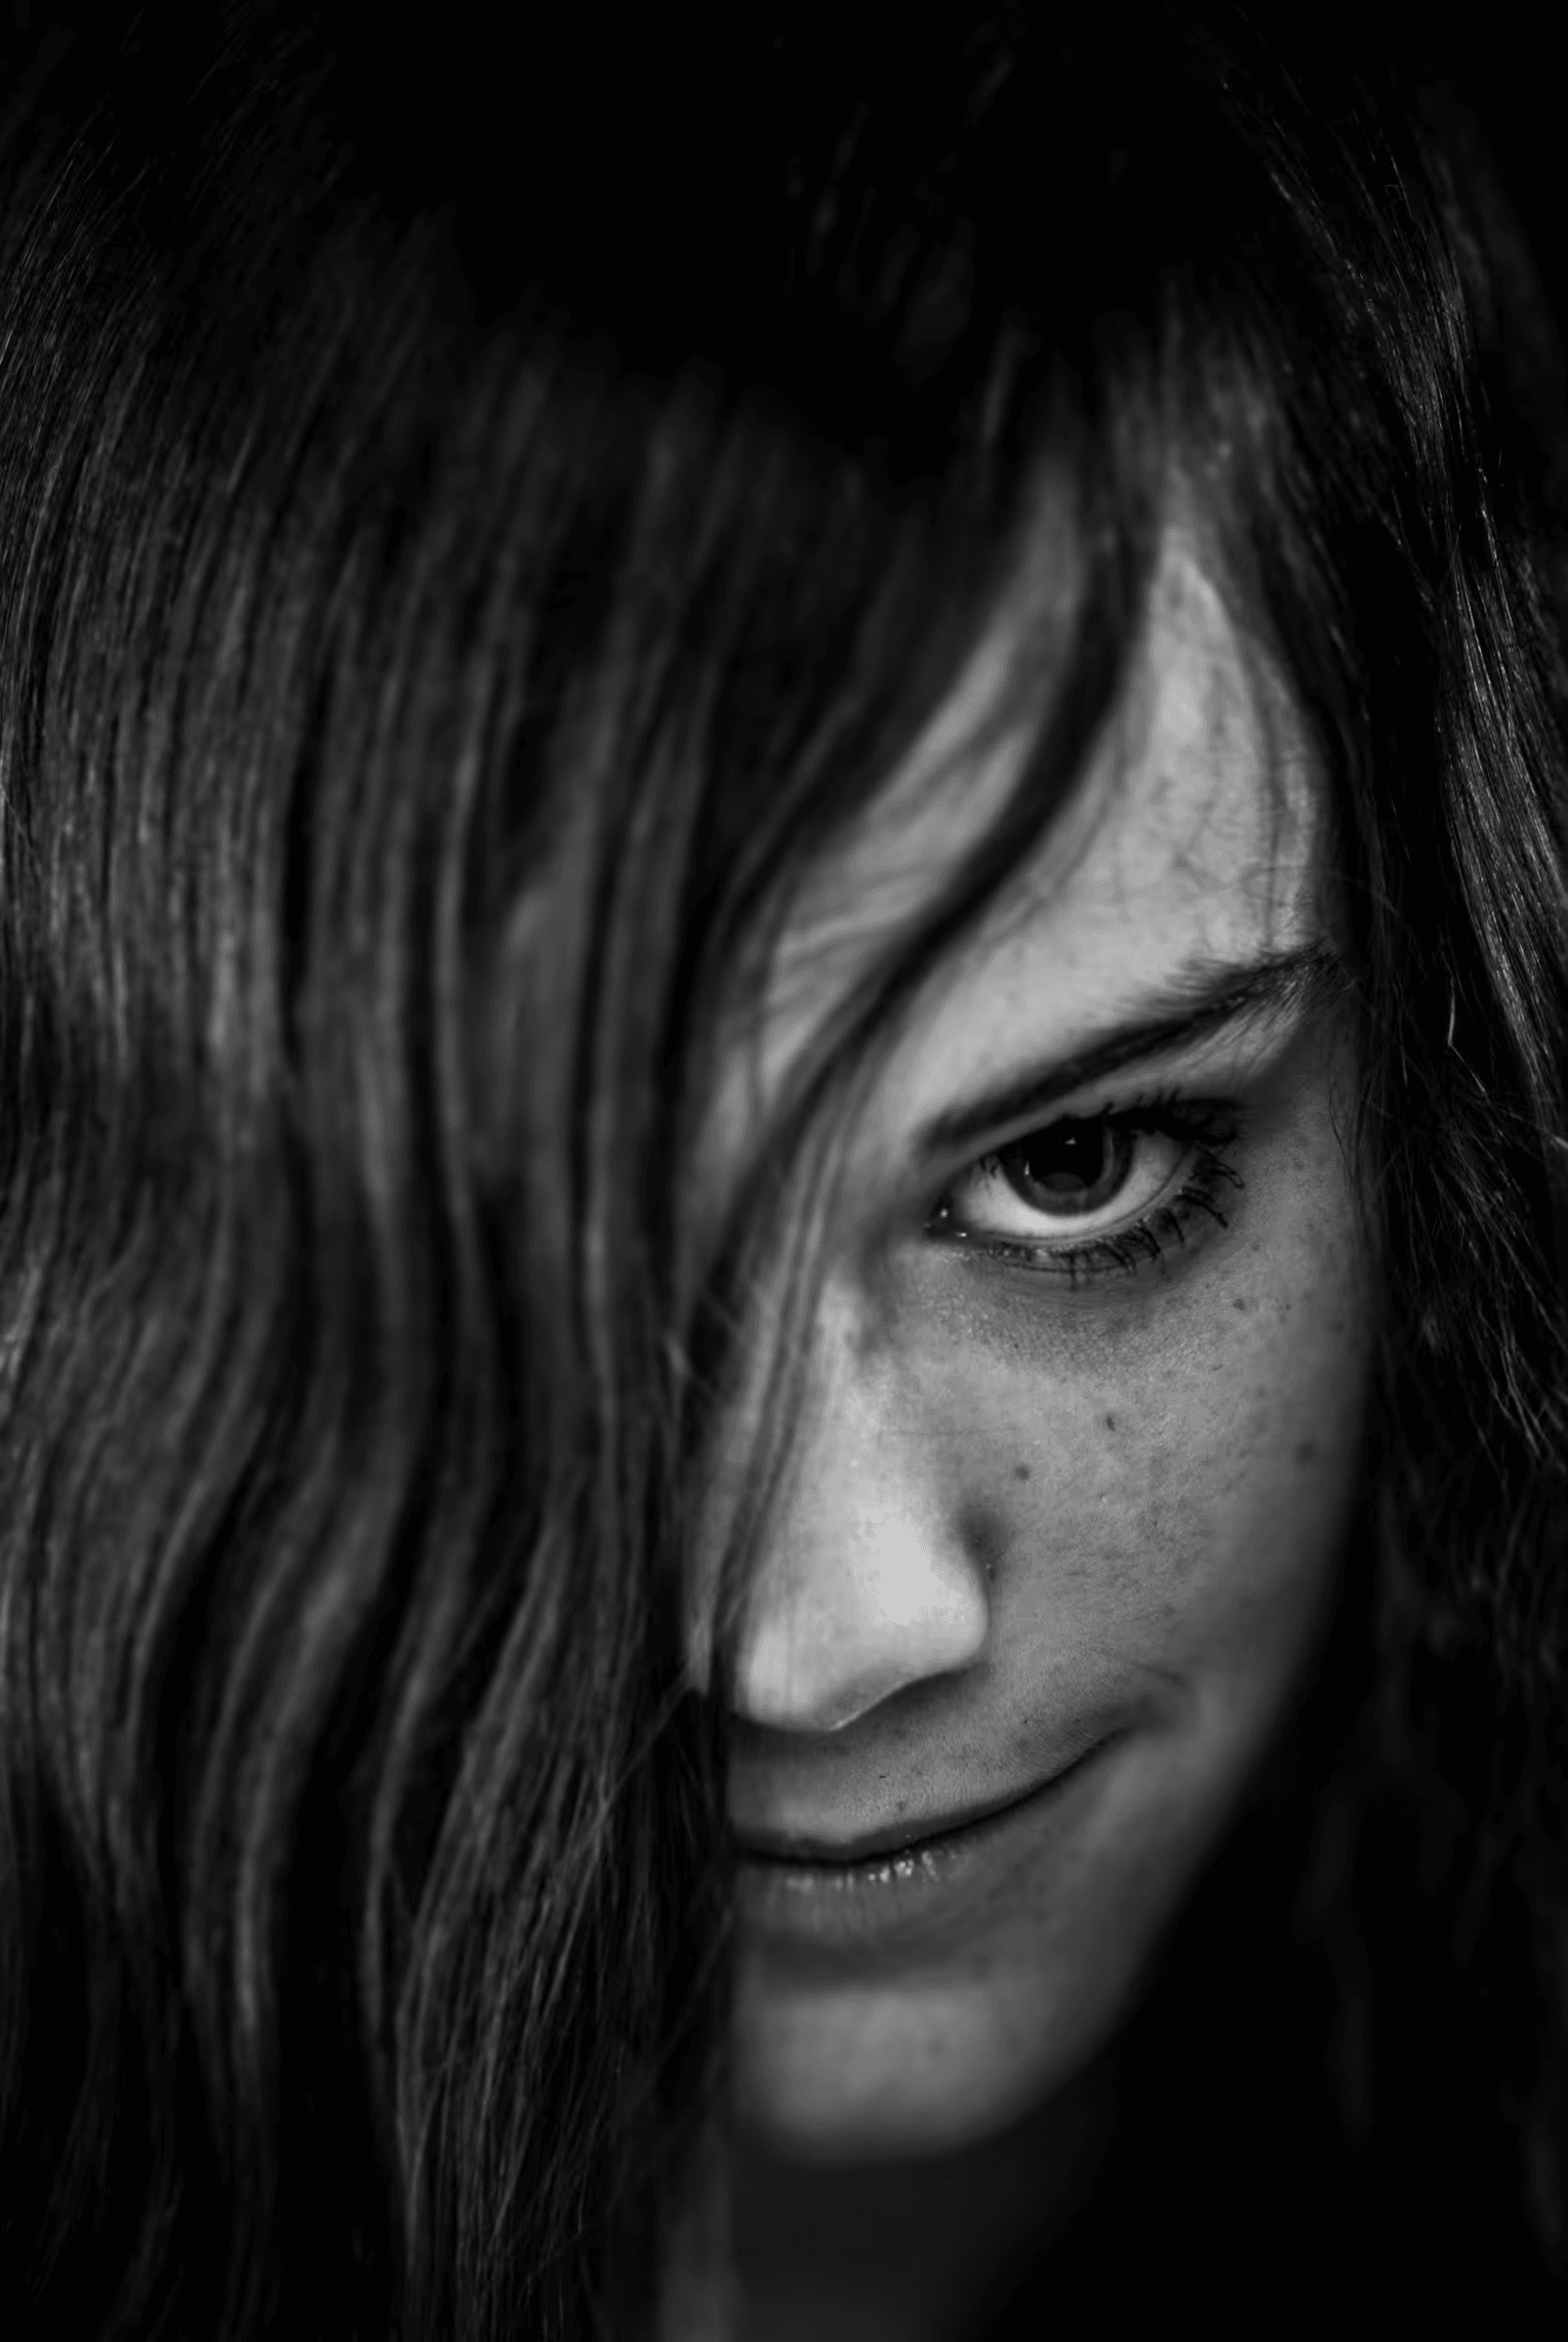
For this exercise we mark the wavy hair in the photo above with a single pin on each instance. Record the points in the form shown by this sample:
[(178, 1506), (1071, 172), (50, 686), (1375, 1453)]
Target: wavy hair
[(472, 530)]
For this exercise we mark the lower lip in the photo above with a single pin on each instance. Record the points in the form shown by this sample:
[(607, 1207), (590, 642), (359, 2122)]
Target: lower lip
[(917, 1891)]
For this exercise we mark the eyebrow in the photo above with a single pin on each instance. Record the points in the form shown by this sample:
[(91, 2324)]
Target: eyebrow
[(1202, 1001)]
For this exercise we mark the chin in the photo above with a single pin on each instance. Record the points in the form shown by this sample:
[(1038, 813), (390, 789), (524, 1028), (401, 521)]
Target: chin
[(856, 2072), (920, 2005)]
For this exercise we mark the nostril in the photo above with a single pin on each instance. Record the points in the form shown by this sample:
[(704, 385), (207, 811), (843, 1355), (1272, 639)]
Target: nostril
[(818, 1653), (781, 1705), (786, 1682), (781, 1700)]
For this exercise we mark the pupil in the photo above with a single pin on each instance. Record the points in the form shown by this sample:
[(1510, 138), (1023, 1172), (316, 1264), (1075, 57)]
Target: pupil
[(1075, 1167)]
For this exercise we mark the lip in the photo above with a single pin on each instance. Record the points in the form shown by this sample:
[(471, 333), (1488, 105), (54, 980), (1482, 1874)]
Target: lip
[(887, 1886), (873, 1847)]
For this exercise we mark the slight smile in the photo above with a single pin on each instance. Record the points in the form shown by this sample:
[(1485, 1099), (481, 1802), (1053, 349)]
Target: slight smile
[(880, 1887)]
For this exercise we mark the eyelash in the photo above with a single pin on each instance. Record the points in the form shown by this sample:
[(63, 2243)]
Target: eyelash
[(1209, 1128)]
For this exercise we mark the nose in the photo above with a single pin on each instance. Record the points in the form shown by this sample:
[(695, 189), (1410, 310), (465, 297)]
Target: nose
[(865, 1584)]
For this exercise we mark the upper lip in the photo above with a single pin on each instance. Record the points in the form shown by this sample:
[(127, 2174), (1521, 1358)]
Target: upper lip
[(893, 1837)]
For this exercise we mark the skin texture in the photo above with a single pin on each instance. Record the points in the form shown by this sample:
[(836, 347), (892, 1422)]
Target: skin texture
[(1032, 1516)]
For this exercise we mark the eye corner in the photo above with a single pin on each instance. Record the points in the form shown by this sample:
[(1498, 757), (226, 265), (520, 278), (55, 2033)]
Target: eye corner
[(941, 1219)]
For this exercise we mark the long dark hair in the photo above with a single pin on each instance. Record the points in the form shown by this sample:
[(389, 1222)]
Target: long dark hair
[(473, 527)]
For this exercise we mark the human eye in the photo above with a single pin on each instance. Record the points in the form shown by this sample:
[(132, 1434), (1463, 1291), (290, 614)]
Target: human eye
[(1089, 1194)]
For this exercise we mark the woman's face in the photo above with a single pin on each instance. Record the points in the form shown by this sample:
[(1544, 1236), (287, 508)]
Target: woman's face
[(1081, 1422)]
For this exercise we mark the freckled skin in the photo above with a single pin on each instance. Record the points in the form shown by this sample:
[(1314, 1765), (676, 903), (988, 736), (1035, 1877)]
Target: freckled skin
[(1025, 1514)]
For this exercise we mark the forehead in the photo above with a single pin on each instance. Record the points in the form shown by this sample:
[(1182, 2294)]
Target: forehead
[(1193, 837)]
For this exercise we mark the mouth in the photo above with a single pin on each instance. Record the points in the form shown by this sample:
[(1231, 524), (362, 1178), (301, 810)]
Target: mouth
[(905, 1879), (902, 1841)]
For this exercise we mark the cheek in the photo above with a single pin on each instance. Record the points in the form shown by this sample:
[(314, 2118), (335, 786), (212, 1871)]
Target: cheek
[(1166, 1483)]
